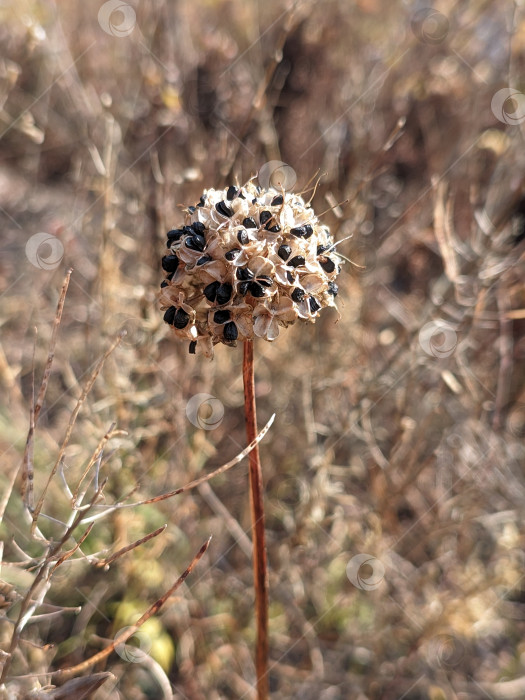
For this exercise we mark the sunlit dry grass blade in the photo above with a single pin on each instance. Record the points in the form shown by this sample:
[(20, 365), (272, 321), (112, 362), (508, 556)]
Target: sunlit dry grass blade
[(71, 424), (130, 631), (106, 562), (36, 407)]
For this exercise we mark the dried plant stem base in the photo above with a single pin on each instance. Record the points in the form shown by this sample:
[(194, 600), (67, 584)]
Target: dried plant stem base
[(257, 510)]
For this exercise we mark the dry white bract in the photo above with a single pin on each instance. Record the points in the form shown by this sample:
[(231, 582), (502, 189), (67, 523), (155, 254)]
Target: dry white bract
[(247, 262)]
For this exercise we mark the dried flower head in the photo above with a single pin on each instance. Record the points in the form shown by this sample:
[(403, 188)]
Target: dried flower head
[(247, 262)]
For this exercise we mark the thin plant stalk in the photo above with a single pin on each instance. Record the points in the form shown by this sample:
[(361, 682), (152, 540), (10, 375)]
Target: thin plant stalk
[(260, 568)]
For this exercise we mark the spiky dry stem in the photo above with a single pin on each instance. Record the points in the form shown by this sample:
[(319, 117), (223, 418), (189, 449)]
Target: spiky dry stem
[(257, 510)]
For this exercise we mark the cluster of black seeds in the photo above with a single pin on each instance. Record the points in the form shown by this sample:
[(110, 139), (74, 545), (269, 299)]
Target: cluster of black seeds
[(247, 263)]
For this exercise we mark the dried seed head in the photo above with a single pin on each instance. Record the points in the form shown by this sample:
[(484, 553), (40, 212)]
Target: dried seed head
[(246, 263)]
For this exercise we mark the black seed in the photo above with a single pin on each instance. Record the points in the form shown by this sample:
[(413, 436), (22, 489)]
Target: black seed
[(265, 216), (314, 304), (322, 249), (249, 222), (221, 316), (181, 319), (193, 345), (210, 292), (224, 293), (202, 201), (170, 276), (195, 242), (243, 287), (163, 284), (256, 290), (289, 276), (175, 234), (333, 288), (191, 209), (204, 259), (243, 237), (327, 264), (223, 208), (277, 200), (296, 261), (232, 254), (265, 280), (299, 231), (232, 192), (198, 227), (273, 229), (241, 196), (298, 294), (230, 331), (308, 231), (254, 201), (244, 274), (284, 252), (170, 263), (170, 314)]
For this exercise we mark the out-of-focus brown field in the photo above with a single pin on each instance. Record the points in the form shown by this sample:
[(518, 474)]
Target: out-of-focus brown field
[(394, 470)]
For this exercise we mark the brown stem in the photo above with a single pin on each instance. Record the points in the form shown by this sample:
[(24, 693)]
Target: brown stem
[(260, 569)]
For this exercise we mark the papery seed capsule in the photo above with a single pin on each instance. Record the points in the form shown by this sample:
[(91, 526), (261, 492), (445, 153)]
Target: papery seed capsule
[(265, 280), (243, 273), (284, 252), (314, 304), (297, 294), (265, 216), (230, 331), (232, 254), (296, 261), (333, 288), (210, 291), (195, 242), (204, 259), (243, 237), (249, 222), (169, 314), (256, 290), (224, 209), (298, 231), (277, 200), (232, 192), (273, 229), (198, 227), (175, 234), (327, 264), (193, 345), (181, 318), (170, 263), (224, 293), (221, 316)]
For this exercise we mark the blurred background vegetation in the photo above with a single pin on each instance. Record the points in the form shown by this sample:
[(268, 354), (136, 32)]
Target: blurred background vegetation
[(392, 441)]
